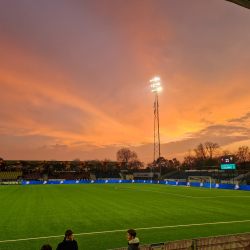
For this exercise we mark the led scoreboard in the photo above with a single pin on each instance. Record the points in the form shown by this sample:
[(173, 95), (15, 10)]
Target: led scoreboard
[(227, 162)]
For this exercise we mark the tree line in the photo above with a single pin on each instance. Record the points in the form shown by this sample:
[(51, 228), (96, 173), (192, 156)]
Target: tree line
[(208, 154), (205, 154)]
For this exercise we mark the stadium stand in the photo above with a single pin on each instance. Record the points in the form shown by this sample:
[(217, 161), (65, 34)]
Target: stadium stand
[(244, 178), (10, 175), (107, 175), (33, 176), (69, 176)]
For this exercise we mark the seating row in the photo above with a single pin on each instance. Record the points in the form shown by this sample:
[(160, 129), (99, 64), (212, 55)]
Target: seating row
[(10, 175), (69, 176)]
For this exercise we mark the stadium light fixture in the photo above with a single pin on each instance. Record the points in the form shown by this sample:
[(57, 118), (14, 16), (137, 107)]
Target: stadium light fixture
[(156, 82)]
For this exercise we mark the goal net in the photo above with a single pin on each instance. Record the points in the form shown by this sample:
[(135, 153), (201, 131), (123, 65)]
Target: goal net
[(200, 179)]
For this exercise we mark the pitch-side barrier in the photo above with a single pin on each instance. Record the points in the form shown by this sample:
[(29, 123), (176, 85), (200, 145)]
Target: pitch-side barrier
[(235, 241), (173, 183)]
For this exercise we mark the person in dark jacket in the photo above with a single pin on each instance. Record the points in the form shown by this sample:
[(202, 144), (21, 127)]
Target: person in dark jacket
[(133, 241), (68, 243)]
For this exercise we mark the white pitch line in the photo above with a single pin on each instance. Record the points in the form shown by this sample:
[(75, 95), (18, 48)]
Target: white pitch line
[(192, 188), (124, 230), (221, 197), (136, 189), (189, 196)]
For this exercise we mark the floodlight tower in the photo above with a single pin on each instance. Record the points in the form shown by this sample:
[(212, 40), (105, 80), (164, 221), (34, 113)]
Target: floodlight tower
[(156, 88)]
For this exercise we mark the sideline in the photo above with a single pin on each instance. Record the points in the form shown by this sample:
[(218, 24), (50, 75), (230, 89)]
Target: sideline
[(188, 196), (124, 230)]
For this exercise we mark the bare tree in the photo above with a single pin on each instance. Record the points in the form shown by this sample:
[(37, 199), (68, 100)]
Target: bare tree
[(206, 150), (211, 148), (243, 154), (176, 163), (189, 160), (125, 154), (135, 164), (203, 151), (227, 152), (200, 152)]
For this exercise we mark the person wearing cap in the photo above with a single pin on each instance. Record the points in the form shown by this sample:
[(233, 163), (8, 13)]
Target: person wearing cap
[(68, 243)]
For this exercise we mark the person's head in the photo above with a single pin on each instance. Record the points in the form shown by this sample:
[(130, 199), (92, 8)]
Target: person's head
[(131, 233), (69, 234), (46, 247)]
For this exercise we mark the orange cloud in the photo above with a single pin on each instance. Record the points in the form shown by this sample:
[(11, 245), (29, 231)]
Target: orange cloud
[(83, 81)]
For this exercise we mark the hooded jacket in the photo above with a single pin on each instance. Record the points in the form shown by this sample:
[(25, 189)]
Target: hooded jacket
[(67, 245), (133, 244)]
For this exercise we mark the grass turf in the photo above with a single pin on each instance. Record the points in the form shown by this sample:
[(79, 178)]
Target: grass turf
[(49, 210)]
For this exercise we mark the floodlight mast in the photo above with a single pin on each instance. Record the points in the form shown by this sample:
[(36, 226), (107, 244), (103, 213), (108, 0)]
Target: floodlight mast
[(157, 152)]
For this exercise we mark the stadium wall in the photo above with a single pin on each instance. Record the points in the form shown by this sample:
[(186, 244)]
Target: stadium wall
[(173, 183)]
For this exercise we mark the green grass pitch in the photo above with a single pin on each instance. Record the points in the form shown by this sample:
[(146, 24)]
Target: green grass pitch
[(49, 210)]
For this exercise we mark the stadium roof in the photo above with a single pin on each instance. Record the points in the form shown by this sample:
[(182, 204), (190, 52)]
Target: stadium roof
[(25, 164), (243, 3)]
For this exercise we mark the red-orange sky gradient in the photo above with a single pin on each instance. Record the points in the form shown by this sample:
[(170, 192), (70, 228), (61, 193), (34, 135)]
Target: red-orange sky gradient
[(74, 77)]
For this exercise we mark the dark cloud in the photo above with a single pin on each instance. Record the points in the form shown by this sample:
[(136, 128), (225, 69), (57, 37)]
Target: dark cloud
[(80, 143), (59, 147), (221, 134), (241, 119), (218, 131)]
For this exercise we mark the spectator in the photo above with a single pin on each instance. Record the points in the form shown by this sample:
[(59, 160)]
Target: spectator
[(46, 247), (68, 243), (133, 242)]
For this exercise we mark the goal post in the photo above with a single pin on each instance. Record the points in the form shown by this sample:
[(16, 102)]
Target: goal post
[(200, 179)]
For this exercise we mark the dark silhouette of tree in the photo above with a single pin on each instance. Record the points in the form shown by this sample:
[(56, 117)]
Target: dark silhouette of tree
[(211, 148), (201, 152), (167, 166), (210, 162), (243, 154), (206, 150), (135, 164), (176, 163), (189, 161), (227, 152), (125, 154)]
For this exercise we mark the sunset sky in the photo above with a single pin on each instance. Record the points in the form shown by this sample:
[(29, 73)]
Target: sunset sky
[(74, 77)]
